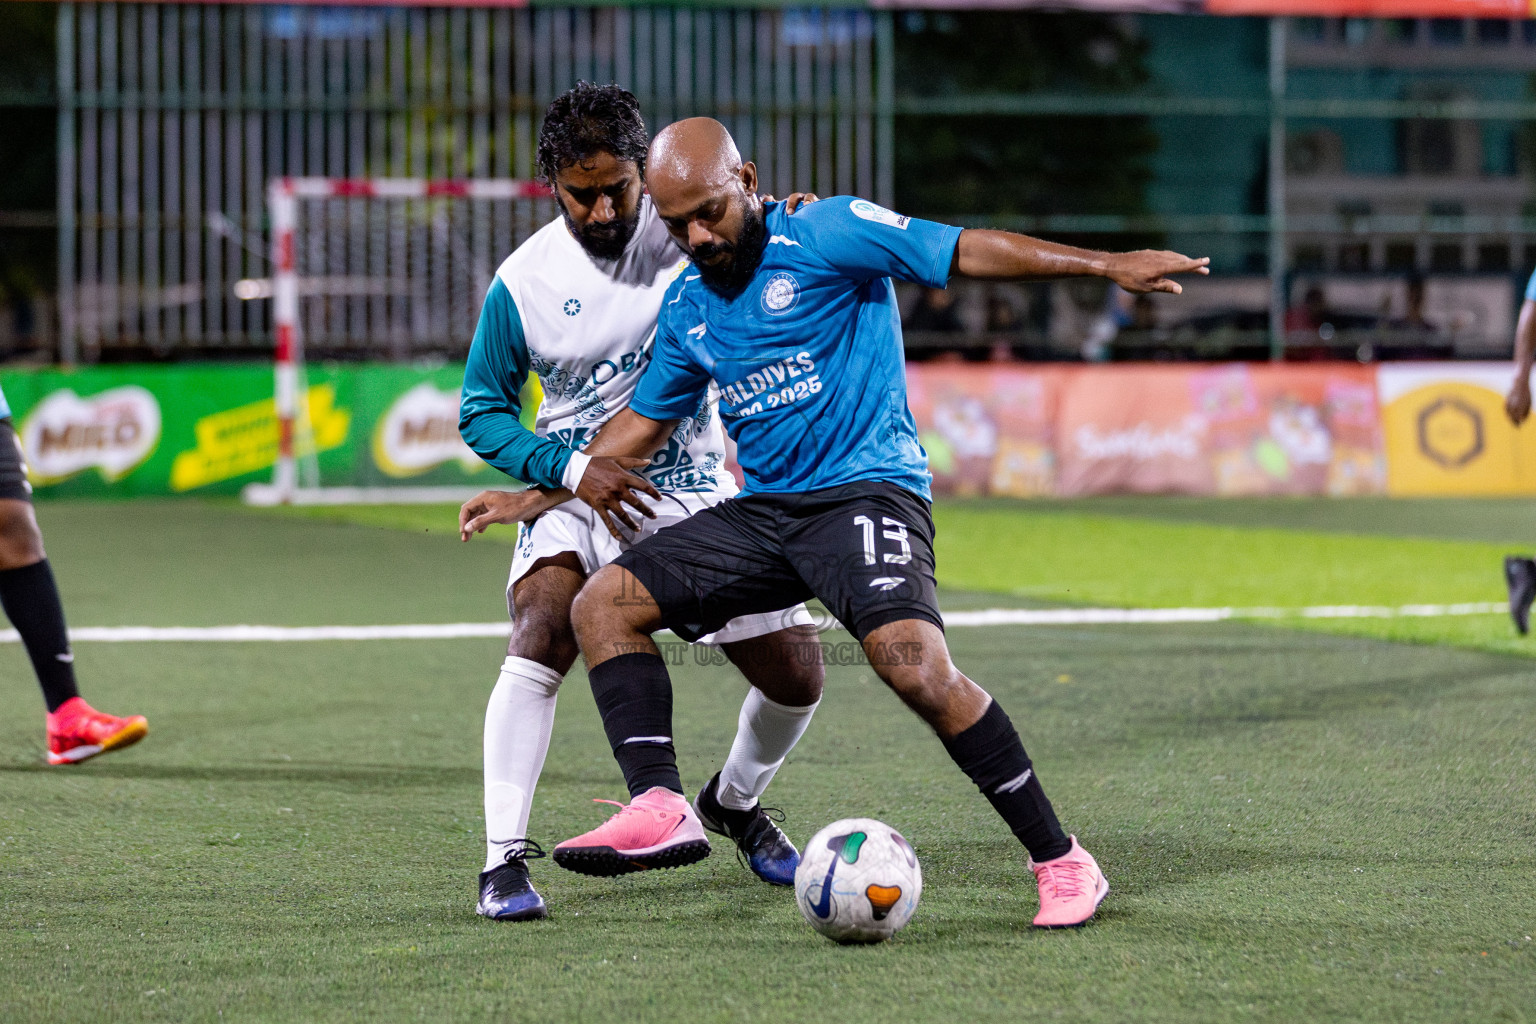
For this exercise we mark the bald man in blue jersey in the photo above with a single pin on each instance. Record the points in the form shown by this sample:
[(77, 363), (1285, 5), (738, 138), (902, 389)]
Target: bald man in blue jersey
[(796, 323)]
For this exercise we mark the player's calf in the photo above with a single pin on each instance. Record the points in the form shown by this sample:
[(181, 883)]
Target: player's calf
[(984, 744)]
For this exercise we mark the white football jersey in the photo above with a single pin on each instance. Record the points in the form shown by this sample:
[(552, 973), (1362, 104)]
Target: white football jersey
[(589, 325)]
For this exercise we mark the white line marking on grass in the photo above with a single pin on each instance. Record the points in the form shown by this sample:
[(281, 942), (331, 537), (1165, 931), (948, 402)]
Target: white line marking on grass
[(983, 617), (1151, 616)]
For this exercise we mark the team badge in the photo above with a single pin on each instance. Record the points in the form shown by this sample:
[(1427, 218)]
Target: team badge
[(780, 294), (572, 307)]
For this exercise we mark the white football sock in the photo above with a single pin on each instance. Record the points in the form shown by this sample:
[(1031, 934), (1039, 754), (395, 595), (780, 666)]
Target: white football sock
[(765, 734), (518, 721)]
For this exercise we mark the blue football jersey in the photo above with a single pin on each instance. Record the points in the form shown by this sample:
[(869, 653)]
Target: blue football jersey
[(1530, 288), (808, 356)]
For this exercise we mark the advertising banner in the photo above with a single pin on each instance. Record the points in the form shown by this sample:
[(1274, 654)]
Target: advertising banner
[(211, 429), (1239, 429), (1446, 432), (1007, 430)]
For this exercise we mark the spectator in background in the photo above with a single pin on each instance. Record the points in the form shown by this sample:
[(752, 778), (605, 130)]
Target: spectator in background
[(1520, 570), (1414, 321), (935, 311), (1002, 319), (1143, 314), (1311, 315)]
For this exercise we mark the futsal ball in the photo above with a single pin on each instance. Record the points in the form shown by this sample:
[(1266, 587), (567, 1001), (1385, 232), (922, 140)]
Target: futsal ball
[(858, 881)]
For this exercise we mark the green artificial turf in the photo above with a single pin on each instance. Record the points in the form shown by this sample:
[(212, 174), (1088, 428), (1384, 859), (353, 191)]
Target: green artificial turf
[(1296, 826), (1203, 552)]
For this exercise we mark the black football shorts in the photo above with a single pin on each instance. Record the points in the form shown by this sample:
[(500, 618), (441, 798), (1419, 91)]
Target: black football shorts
[(865, 550), (13, 466)]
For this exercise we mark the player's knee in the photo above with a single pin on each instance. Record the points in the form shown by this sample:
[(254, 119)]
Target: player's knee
[(600, 608), (923, 683), (806, 674), (21, 542), (544, 635)]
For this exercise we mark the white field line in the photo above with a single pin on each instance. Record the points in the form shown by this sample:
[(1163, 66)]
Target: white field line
[(984, 617)]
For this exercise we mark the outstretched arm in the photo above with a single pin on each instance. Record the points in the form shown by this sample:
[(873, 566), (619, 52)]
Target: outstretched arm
[(625, 443), (1518, 403), (1005, 256)]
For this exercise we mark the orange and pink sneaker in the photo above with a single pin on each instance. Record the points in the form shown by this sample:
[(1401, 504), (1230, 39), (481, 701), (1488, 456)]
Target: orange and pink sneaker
[(1071, 888), (658, 829), (78, 732)]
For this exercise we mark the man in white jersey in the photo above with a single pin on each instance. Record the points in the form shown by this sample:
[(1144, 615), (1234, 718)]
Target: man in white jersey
[(576, 304)]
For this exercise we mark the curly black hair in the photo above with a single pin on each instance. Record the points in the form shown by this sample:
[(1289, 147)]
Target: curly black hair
[(587, 120)]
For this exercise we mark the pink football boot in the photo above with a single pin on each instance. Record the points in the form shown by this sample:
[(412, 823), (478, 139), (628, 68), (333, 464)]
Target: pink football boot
[(1071, 888), (658, 829), (78, 732)]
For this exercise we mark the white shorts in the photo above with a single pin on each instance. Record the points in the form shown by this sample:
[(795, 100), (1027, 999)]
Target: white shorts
[(575, 527)]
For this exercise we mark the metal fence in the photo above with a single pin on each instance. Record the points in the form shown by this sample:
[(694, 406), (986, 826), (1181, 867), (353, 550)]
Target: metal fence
[(173, 118)]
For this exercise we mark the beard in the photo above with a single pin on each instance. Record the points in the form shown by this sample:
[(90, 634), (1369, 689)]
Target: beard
[(603, 241), (731, 274)]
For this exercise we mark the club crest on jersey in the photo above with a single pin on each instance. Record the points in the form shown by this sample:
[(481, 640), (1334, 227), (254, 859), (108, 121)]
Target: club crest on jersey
[(780, 294), (572, 307), (867, 210)]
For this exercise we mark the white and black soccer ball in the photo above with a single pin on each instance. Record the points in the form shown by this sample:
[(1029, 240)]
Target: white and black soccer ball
[(858, 881)]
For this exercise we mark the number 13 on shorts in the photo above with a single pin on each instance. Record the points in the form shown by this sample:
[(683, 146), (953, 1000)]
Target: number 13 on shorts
[(894, 530)]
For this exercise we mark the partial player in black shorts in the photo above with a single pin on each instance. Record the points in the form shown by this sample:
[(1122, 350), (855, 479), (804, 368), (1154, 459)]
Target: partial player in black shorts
[(865, 550), (13, 468), (76, 731)]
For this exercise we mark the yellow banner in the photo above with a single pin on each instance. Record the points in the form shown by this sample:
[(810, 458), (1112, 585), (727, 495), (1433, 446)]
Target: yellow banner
[(1446, 432), (243, 440)]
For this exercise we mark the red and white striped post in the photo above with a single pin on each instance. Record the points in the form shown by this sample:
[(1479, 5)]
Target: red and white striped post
[(283, 195), (285, 324)]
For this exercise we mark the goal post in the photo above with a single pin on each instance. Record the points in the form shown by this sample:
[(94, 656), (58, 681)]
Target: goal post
[(391, 268)]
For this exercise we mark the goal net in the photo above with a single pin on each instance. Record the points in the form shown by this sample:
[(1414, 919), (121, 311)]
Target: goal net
[(376, 288)]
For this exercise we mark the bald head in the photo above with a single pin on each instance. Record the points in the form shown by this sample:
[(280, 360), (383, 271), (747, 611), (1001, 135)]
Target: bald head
[(707, 197)]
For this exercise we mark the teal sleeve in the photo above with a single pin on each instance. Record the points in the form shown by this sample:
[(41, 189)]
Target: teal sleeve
[(494, 375), (1530, 289)]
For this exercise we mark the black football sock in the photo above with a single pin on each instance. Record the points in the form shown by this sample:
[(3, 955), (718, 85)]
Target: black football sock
[(31, 602), (991, 753), (634, 696)]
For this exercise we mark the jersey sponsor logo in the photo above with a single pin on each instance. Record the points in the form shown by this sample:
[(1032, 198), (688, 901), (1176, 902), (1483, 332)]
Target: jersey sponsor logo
[(572, 307), (699, 331), (780, 294), (781, 240), (867, 210), (785, 371)]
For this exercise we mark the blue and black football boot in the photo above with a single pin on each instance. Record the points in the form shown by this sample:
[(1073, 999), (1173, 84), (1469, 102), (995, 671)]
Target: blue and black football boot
[(1520, 575), (759, 840), (507, 893)]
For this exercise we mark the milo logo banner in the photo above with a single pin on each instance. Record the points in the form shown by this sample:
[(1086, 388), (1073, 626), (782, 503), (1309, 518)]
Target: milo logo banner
[(212, 429)]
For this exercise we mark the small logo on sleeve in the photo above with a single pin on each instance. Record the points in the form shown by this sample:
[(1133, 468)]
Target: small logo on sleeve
[(572, 307), (867, 210), (780, 294)]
